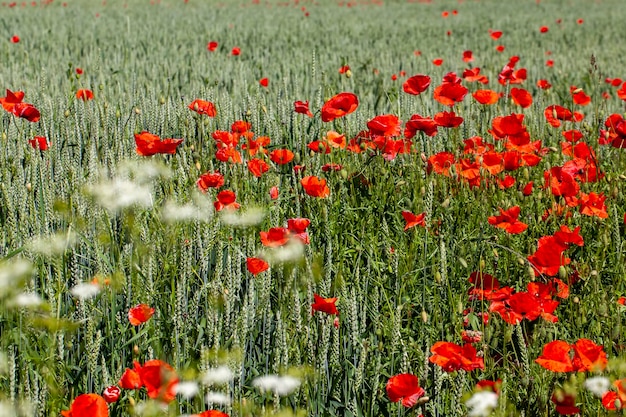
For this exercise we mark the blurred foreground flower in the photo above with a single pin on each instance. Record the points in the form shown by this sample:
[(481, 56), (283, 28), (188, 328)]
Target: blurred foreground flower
[(481, 403), (85, 290), (279, 385)]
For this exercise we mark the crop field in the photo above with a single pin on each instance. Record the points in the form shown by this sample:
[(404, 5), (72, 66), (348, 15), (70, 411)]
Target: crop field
[(353, 208)]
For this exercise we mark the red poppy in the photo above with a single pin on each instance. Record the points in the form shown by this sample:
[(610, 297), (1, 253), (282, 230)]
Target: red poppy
[(555, 357), (419, 123), (440, 163), (405, 388), (149, 144), (593, 204), (111, 394), (500, 48), (79, 71), (324, 305), (473, 75), (276, 236), (339, 106), (448, 119), (495, 34), (130, 379), (203, 107), (543, 84), (226, 199), (550, 63), (413, 220), (264, 82), (235, 51), (160, 380), (416, 84), (468, 56), (298, 228), (210, 413), (384, 125), (210, 180), (337, 140), (521, 97), (621, 93), (39, 142), (528, 189), (578, 96), (588, 356), (344, 69), (274, 193), (555, 113), (315, 187), (437, 62), (508, 221), (15, 39), (11, 99), (548, 257), (281, 156), (452, 357), (84, 94), (302, 107), (212, 46), (543, 29), (26, 111), (449, 94), (561, 183), (87, 405), (486, 97), (258, 167), (256, 265), (565, 403), (140, 314)]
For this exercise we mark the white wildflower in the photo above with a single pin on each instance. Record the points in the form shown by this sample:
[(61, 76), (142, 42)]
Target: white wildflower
[(250, 217), (481, 403), (598, 385), (120, 193), (293, 251), (27, 299), (200, 209), (6, 410), (279, 385), (217, 398), (85, 290), (11, 273), (217, 376), (52, 245), (187, 389)]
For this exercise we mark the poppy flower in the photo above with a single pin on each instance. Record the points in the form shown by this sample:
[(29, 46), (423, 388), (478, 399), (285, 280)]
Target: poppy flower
[(452, 357), (344, 69), (235, 51), (130, 379), (264, 82), (111, 394), (579, 97), (274, 193), (26, 111), (555, 114), (543, 29), (555, 357), (298, 228), (302, 107), (565, 403), (79, 71), (210, 413), (160, 380), (87, 405), (281, 156), (448, 119), (334, 140), (140, 314), (324, 305), (338, 106), (621, 93), (413, 220), (212, 46), (437, 62), (593, 204), (149, 144), (468, 56), (384, 125), (11, 99), (210, 180), (449, 94), (495, 34), (508, 220), (500, 48), (226, 200), (203, 107), (548, 257), (276, 236), (84, 94), (486, 97), (521, 97), (258, 167), (405, 388), (473, 75), (543, 84), (39, 142), (15, 39), (256, 265), (419, 123), (440, 163), (416, 84), (588, 356), (315, 186)]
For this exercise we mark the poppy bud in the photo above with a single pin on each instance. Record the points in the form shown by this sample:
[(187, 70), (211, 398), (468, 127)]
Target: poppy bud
[(445, 203), (438, 277), (344, 174), (622, 176), (67, 113), (29, 187), (562, 273), (111, 394), (348, 74), (576, 91), (118, 114), (424, 316), (521, 261), (615, 192), (162, 100), (463, 262), (101, 87), (137, 110), (131, 401), (576, 300), (4, 136), (481, 264), (495, 253), (136, 350), (264, 109), (198, 165), (296, 158), (531, 272)]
